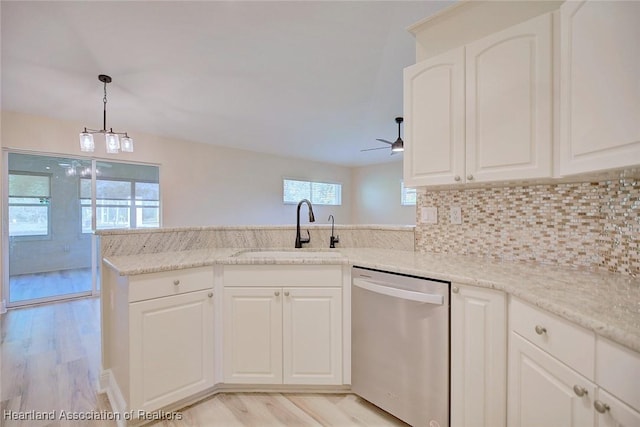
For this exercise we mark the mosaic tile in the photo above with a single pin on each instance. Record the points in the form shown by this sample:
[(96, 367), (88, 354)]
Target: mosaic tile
[(587, 224)]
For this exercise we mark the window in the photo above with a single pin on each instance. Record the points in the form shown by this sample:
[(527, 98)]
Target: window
[(114, 206), (408, 195), (147, 196), (319, 193), (29, 200)]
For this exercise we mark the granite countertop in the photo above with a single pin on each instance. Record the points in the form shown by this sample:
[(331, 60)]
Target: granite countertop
[(606, 303)]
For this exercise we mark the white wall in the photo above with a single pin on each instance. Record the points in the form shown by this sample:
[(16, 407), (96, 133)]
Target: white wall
[(377, 199), (200, 184)]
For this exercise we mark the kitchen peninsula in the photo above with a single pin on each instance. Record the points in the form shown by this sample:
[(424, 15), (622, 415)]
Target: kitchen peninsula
[(599, 304)]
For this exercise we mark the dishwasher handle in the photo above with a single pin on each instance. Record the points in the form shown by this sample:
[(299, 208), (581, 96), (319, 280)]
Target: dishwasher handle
[(380, 288)]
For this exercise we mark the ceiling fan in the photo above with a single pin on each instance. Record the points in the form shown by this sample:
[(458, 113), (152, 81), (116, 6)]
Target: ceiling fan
[(396, 147)]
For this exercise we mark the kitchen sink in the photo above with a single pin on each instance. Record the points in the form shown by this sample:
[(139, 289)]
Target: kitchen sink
[(284, 253)]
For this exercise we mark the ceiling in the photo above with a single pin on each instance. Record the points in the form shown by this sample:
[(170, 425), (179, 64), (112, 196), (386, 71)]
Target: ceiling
[(318, 80)]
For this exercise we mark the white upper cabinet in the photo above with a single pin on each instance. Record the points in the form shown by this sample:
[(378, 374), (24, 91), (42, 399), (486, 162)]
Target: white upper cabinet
[(509, 103), (434, 120), (482, 112), (600, 86)]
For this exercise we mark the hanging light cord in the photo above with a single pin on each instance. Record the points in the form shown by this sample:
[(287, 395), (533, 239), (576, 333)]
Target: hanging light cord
[(105, 80), (104, 108)]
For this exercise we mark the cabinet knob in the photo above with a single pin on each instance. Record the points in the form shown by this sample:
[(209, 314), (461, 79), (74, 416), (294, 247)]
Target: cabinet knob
[(601, 407), (580, 391), (210, 294), (455, 289), (540, 330), (176, 282), (286, 293), (457, 178), (470, 177), (277, 293)]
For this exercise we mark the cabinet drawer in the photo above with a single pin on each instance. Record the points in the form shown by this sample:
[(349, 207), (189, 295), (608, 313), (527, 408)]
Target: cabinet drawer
[(618, 371), (154, 285), (571, 344)]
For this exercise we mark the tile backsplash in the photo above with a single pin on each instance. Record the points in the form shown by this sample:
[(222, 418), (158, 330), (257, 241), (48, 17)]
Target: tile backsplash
[(587, 224), (148, 240)]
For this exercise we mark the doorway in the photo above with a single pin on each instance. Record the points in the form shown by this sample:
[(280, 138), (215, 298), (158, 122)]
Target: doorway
[(53, 204)]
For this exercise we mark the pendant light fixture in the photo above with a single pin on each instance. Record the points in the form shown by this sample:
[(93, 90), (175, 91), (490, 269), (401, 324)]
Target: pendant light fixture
[(115, 141)]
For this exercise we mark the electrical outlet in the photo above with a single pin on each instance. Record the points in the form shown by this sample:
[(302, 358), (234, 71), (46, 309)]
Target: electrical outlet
[(429, 215), (455, 215)]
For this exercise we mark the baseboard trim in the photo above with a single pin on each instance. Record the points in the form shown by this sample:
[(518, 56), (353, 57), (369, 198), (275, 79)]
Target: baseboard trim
[(118, 405), (109, 385)]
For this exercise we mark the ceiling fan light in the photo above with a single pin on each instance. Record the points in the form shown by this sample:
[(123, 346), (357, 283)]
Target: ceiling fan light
[(126, 144), (86, 142), (397, 146), (113, 143)]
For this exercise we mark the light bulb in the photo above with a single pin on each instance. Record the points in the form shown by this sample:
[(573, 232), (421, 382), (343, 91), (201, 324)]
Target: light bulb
[(86, 142), (113, 143), (127, 144)]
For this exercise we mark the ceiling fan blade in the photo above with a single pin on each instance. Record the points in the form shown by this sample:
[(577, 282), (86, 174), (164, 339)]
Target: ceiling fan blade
[(371, 149), (384, 140)]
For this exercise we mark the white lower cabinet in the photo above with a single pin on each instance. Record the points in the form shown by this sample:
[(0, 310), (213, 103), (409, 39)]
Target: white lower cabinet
[(171, 346), (312, 336), (612, 412), (541, 389), (282, 334), (561, 374), (158, 337), (478, 357), (252, 328)]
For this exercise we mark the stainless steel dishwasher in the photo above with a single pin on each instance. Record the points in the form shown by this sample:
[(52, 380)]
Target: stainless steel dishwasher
[(400, 345)]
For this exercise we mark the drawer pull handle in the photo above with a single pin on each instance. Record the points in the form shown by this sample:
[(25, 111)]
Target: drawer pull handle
[(455, 289), (210, 294), (470, 177), (276, 293), (580, 391), (601, 407), (540, 330), (176, 282), (457, 178), (286, 293)]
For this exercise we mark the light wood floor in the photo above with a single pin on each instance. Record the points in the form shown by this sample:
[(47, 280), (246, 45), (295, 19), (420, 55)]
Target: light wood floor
[(51, 361), (55, 283)]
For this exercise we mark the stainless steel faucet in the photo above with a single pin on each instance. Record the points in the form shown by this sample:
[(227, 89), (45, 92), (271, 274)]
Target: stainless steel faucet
[(333, 239), (300, 240)]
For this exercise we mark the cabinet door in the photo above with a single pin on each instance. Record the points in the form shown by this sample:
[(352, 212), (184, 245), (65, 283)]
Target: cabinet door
[(171, 349), (541, 390), (312, 341), (252, 329), (434, 120), (478, 357), (509, 103), (600, 93), (618, 414)]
